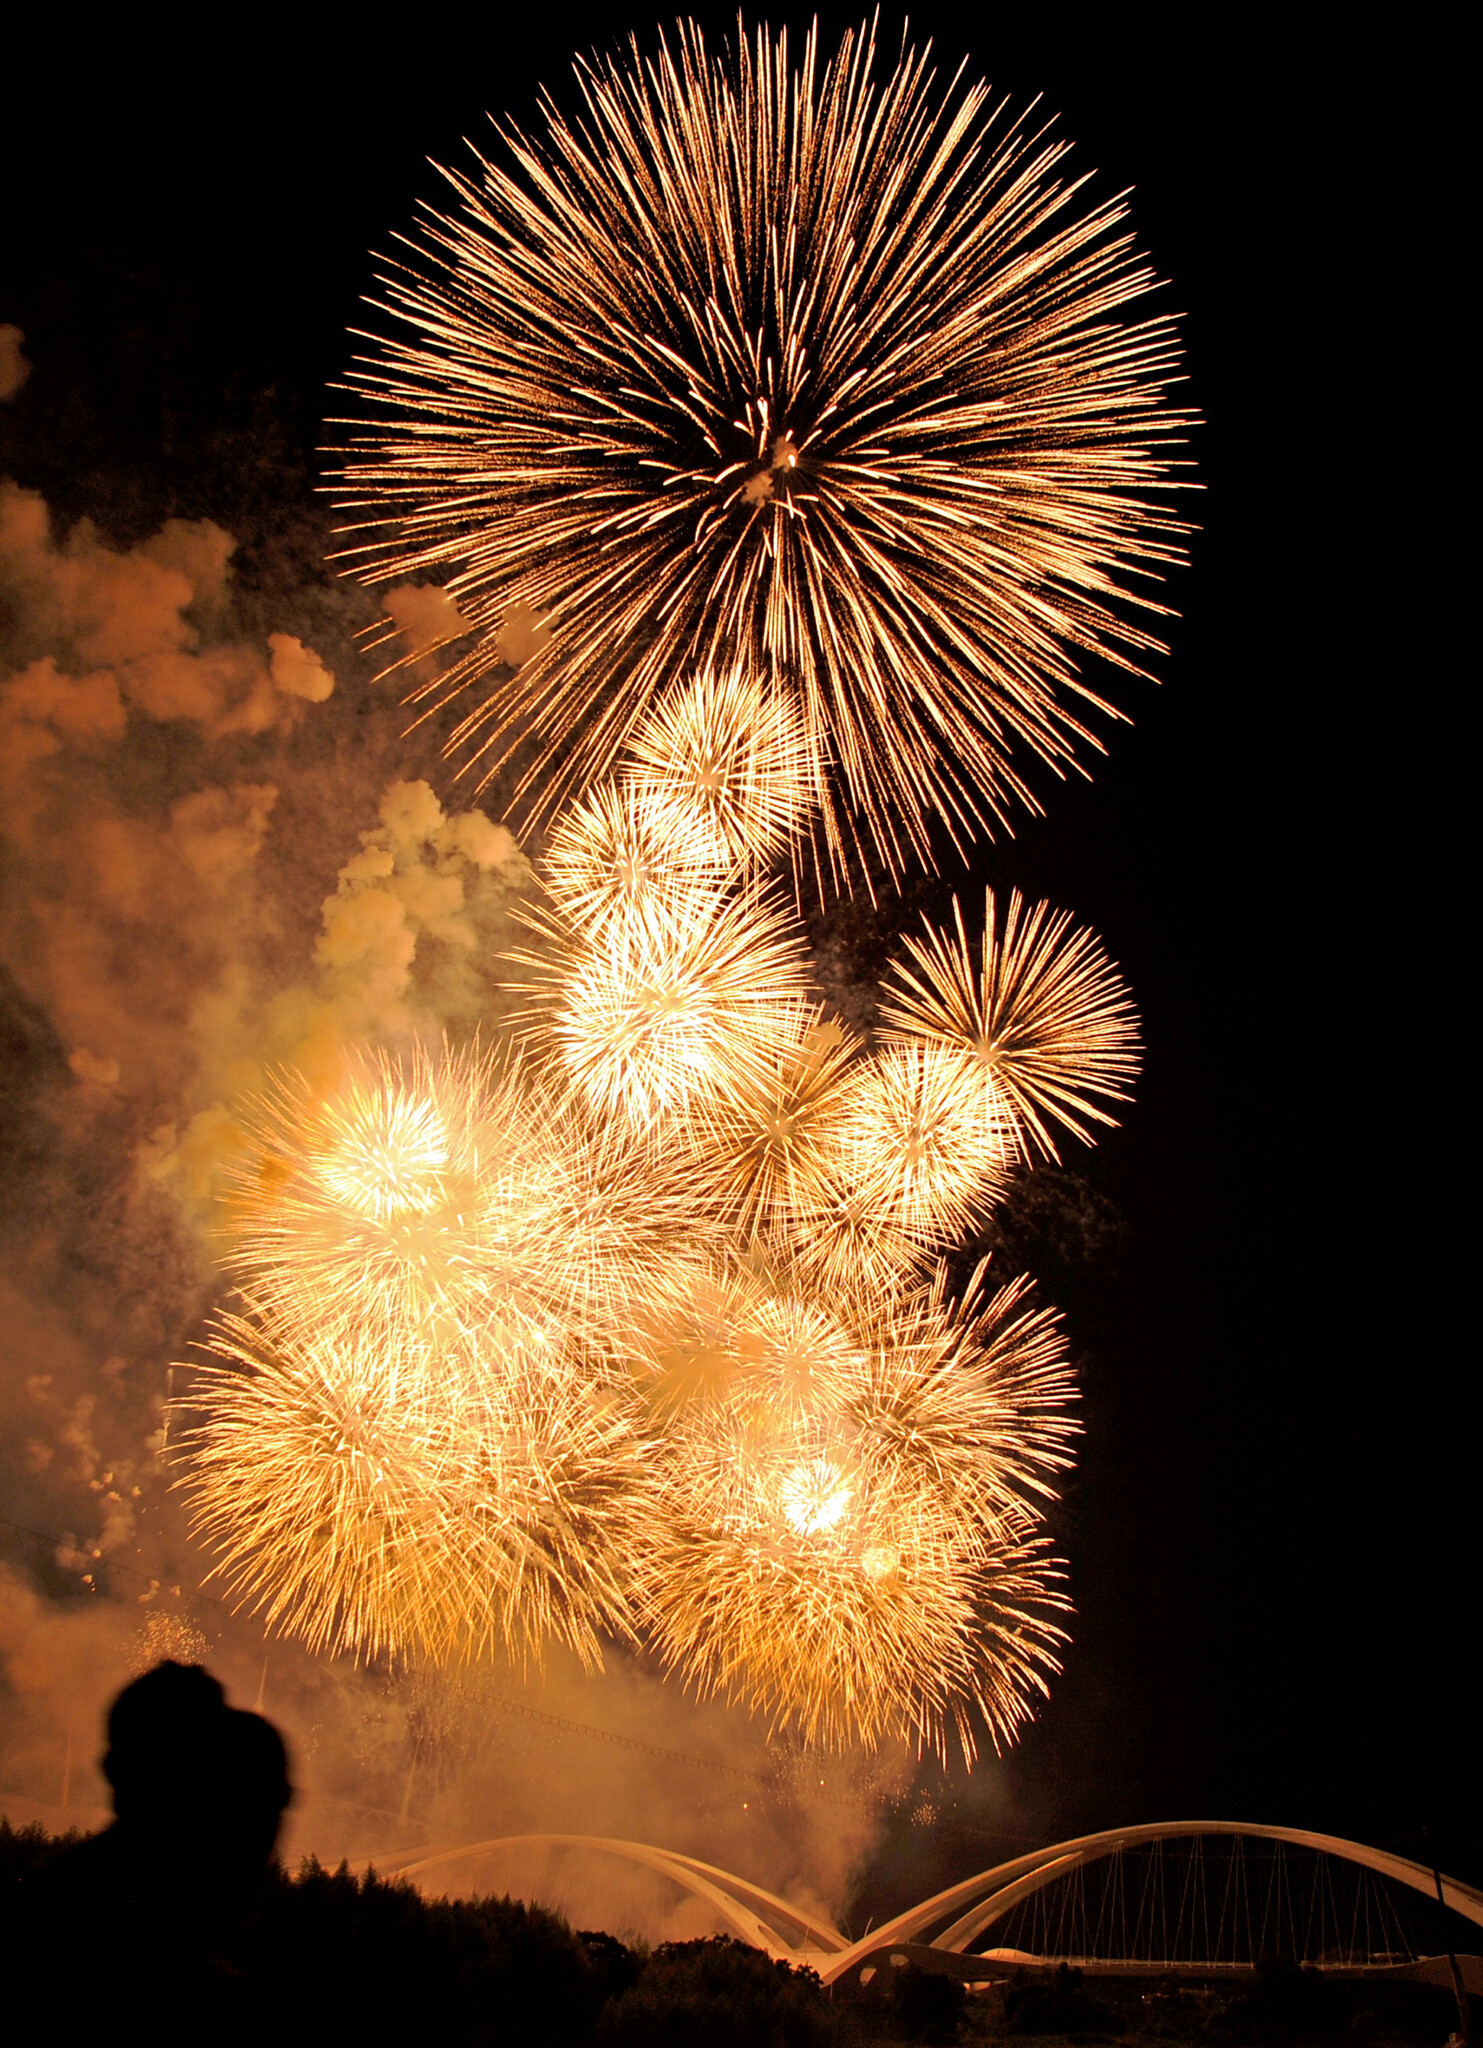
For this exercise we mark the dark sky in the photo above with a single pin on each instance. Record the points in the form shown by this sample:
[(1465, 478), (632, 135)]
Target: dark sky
[(1276, 1613)]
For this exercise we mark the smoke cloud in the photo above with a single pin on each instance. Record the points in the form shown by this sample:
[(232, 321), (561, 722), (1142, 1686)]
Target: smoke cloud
[(14, 369), (221, 853)]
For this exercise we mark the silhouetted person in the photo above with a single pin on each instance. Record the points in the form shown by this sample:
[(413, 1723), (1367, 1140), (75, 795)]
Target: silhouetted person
[(135, 1923)]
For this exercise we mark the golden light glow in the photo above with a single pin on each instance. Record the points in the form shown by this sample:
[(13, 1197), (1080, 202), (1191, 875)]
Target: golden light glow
[(631, 1332), (804, 361), (815, 1497)]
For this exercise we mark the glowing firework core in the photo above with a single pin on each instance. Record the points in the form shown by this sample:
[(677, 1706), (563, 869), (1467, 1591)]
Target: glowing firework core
[(815, 1497), (391, 1156)]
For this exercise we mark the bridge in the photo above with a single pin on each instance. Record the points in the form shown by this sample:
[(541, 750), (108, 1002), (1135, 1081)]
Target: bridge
[(1200, 1898)]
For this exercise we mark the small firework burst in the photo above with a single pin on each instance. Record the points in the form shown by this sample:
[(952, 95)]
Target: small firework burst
[(920, 1144), (630, 856), (167, 1633), (374, 1188), (737, 756), (1043, 1015), (844, 1605), (644, 1021), (850, 1519)]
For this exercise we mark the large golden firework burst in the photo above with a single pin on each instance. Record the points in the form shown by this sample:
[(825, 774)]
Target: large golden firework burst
[(799, 404), (397, 1489), (810, 368)]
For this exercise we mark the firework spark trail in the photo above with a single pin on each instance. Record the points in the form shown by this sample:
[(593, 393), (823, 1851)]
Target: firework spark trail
[(977, 1392), (771, 1146), (814, 372)]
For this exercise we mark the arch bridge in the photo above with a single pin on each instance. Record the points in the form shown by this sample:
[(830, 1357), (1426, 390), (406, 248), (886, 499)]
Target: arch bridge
[(1195, 1897)]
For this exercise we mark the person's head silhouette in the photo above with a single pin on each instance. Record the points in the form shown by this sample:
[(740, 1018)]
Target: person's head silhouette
[(157, 1900), (161, 1730), (193, 1778)]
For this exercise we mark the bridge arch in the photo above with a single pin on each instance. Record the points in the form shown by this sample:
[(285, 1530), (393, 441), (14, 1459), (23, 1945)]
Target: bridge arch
[(971, 1907), (961, 1914), (786, 1932)]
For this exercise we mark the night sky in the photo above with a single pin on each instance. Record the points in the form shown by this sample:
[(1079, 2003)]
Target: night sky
[(1276, 1611)]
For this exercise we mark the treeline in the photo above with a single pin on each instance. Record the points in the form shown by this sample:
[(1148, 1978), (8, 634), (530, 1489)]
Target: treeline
[(361, 1959), (331, 1956)]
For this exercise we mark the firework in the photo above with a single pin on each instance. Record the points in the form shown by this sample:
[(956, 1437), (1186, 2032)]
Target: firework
[(736, 756), (773, 1144), (448, 1185), (374, 1192), (628, 857), (919, 1144), (631, 1333), (387, 1493), (726, 1330), (814, 372), (975, 1391), (839, 1554), (314, 1472), (847, 1612), (643, 1020), (1044, 1017)]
